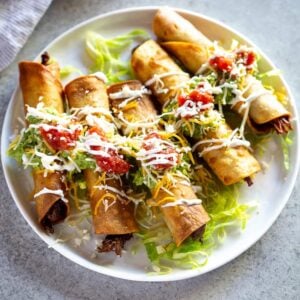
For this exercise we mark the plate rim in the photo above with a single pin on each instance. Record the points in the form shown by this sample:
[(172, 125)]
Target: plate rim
[(185, 274)]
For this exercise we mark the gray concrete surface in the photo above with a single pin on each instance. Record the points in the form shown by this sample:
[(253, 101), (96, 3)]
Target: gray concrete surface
[(268, 270)]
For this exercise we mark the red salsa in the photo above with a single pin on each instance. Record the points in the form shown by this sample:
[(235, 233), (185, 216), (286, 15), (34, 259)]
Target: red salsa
[(196, 96), (113, 163), (247, 57), (221, 63), (59, 139)]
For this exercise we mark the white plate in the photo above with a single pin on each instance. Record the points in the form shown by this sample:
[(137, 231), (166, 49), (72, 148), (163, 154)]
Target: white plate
[(272, 189)]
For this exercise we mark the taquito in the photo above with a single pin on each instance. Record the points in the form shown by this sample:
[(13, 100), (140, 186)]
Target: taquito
[(182, 220), (116, 218), (231, 164), (40, 83), (169, 26), (183, 40)]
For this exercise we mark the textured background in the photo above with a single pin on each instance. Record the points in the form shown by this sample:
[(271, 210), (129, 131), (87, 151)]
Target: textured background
[(268, 270)]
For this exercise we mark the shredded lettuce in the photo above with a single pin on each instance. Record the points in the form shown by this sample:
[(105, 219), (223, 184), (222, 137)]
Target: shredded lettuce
[(286, 142), (84, 161), (221, 203), (270, 73), (106, 53), (67, 70), (23, 144)]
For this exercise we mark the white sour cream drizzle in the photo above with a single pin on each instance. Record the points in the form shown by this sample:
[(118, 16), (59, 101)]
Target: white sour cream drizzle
[(94, 140), (153, 156), (100, 122), (188, 202), (232, 141), (82, 112), (246, 107), (54, 162), (59, 127), (129, 94), (40, 113), (202, 68), (59, 193), (191, 108), (101, 76), (159, 84)]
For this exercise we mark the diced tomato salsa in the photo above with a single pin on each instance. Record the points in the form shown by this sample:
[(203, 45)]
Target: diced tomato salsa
[(196, 96), (112, 163), (247, 57), (221, 63), (60, 139)]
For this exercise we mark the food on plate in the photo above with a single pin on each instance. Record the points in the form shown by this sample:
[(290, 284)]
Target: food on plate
[(192, 112), (234, 70), (112, 213), (160, 159), (141, 152), (40, 85), (169, 26)]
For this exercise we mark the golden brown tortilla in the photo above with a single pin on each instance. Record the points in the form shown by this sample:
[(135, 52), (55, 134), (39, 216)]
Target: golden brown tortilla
[(170, 26), (191, 55), (264, 109), (150, 59), (41, 84), (119, 217), (182, 220), (221, 161), (188, 44), (231, 165), (44, 202)]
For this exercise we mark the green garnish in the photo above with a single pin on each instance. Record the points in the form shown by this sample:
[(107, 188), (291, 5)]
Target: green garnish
[(106, 53)]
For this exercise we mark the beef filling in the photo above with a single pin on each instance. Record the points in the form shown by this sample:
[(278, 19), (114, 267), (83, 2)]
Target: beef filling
[(56, 213), (114, 243)]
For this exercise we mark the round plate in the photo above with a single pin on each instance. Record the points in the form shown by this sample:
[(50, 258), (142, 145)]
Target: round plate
[(68, 49)]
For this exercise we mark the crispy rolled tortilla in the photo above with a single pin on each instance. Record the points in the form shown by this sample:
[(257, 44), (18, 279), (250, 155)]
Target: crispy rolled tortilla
[(41, 83), (191, 55), (148, 60), (231, 165), (182, 220), (143, 109), (50, 208), (118, 219), (266, 112), (221, 160), (170, 26)]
